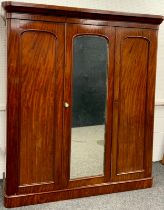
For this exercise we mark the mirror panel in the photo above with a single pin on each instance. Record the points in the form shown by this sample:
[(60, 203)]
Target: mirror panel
[(89, 91)]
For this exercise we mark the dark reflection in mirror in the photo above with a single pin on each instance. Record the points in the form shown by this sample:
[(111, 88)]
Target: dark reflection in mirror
[(89, 90)]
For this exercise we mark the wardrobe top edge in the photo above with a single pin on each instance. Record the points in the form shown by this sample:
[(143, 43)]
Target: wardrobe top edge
[(20, 7)]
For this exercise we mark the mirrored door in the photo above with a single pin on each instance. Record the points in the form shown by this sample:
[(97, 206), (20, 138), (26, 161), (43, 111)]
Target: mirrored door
[(89, 89), (88, 101)]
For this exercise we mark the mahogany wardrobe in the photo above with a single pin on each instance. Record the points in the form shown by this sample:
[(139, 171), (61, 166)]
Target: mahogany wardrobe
[(80, 102)]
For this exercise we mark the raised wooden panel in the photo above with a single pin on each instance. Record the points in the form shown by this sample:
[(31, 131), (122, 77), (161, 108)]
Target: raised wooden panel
[(131, 92), (37, 107), (132, 101)]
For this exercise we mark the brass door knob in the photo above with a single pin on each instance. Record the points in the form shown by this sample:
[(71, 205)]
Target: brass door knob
[(66, 104)]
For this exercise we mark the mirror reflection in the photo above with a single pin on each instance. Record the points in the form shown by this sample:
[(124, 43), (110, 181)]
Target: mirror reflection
[(89, 90)]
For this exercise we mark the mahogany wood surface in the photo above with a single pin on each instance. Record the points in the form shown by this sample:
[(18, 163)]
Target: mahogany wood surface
[(162, 161), (37, 107), (91, 190), (51, 18), (20, 7), (134, 103), (39, 79), (38, 89)]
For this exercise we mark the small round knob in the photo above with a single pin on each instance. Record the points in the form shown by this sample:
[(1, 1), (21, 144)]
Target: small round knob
[(66, 105)]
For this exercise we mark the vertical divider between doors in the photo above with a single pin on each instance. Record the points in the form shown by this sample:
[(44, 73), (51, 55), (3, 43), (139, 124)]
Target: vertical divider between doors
[(66, 118), (115, 108), (109, 122)]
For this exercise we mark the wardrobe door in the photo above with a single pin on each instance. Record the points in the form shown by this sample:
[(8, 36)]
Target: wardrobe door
[(88, 95), (35, 106), (133, 103)]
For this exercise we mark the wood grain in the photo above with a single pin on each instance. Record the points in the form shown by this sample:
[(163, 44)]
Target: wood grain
[(162, 161), (12, 158), (132, 98), (21, 7), (106, 188), (37, 108), (40, 54), (38, 73), (63, 19)]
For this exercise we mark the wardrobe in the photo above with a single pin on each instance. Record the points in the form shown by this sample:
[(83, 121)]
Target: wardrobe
[(80, 102)]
